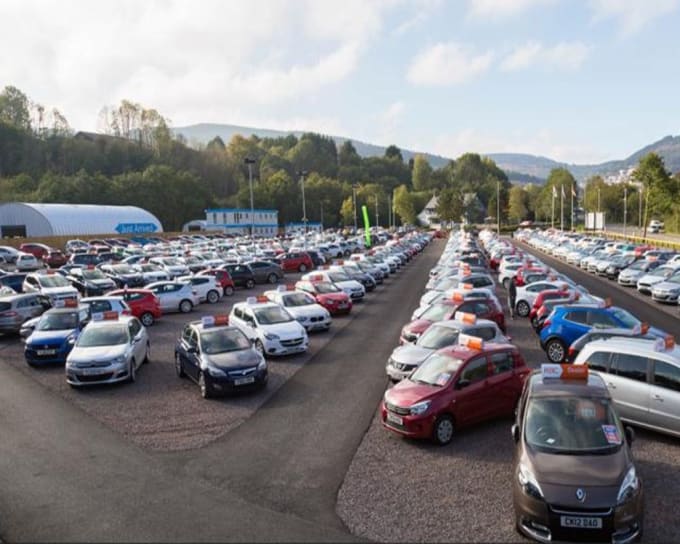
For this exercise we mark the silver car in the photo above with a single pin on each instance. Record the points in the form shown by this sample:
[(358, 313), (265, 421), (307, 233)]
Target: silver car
[(629, 276), (667, 291), (19, 308), (643, 377)]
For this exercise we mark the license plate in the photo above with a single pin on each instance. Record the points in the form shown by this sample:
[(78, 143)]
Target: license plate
[(244, 381), (46, 351), (90, 371), (392, 418), (342, 305), (581, 522)]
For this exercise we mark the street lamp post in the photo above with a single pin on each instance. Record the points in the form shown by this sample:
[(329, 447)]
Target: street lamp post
[(249, 162), (377, 217), (625, 208), (302, 174), (354, 205), (498, 206)]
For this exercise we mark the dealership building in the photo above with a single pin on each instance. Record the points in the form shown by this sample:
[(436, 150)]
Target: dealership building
[(239, 221), (26, 219)]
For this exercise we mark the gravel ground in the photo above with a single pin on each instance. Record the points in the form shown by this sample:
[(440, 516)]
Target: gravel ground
[(159, 411), (401, 490)]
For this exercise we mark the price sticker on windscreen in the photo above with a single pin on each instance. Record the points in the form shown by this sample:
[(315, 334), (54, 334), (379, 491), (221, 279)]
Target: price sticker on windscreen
[(611, 433)]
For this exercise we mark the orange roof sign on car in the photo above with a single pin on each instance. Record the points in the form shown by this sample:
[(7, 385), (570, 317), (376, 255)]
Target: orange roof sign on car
[(214, 320), (457, 297), (564, 372), (642, 328), (66, 303), (665, 343), (467, 286), (105, 316), (470, 342), (465, 317), (316, 277)]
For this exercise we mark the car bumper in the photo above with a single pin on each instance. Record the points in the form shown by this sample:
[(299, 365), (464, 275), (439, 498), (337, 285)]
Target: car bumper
[(410, 426), (627, 282), (398, 374), (323, 324), (665, 297), (276, 347), (337, 310), (231, 384), (82, 376), (58, 357)]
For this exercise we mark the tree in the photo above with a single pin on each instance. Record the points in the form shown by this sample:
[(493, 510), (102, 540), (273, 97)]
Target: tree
[(422, 174), (404, 205), (393, 152), (14, 108), (660, 188), (450, 205), (347, 211), (517, 211)]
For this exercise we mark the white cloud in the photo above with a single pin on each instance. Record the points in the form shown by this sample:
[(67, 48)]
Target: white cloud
[(186, 59), (385, 125), (447, 64), (632, 15), (423, 10), (500, 9), (544, 143), (565, 55)]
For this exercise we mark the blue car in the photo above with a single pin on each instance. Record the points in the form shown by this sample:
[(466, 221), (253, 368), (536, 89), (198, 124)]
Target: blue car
[(567, 323), (54, 335)]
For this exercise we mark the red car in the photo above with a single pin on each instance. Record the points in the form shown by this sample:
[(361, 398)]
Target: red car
[(443, 310), (550, 294), (222, 277), (455, 387), (329, 295), (295, 261), (142, 302), (523, 271), (39, 251), (55, 258)]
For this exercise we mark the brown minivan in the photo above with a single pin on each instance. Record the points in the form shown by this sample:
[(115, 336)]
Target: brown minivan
[(574, 477)]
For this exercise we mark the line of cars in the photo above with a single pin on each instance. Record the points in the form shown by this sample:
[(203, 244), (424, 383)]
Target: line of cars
[(574, 476)]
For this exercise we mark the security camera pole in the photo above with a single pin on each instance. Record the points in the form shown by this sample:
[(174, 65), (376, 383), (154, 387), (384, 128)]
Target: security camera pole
[(250, 161)]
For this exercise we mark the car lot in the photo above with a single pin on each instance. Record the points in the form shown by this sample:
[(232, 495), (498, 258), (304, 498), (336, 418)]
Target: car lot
[(403, 490)]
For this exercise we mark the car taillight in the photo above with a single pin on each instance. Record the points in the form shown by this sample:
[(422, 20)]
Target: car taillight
[(546, 323), (519, 282), (570, 353), (11, 313), (126, 312)]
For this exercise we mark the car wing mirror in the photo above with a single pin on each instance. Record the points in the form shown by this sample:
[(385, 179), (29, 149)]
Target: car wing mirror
[(630, 435), (192, 349), (515, 432), (462, 384)]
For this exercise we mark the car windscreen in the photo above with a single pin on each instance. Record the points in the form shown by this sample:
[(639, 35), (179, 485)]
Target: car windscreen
[(437, 369), (437, 312), (446, 283), (93, 274), (572, 425), (54, 280), (297, 299), (103, 336), (223, 340), (438, 337), (626, 318), (4, 306), (338, 276), (324, 287), (123, 269), (272, 315), (661, 271), (58, 321)]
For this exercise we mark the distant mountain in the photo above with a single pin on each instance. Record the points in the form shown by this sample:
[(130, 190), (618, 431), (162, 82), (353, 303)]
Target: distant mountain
[(520, 167)]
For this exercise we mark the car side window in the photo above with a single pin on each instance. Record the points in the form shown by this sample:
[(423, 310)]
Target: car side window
[(238, 313), (134, 326), (97, 306), (24, 303), (666, 375), (486, 333), (186, 334), (577, 317), (630, 366), (193, 339), (599, 361), (475, 370), (600, 319), (501, 362)]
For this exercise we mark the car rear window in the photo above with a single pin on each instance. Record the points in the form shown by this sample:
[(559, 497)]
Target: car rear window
[(667, 375), (4, 306), (630, 366)]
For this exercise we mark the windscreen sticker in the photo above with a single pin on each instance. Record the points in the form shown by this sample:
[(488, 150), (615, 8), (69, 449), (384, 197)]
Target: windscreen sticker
[(611, 433), (588, 413), (443, 378)]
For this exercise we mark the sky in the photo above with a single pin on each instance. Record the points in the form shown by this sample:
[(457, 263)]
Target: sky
[(579, 81)]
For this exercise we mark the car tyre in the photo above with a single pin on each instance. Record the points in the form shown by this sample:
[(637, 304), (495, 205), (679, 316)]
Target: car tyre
[(259, 346), (523, 308), (228, 291), (442, 432), (213, 296), (178, 367), (555, 350), (302, 268), (147, 319), (250, 284), (147, 355), (185, 306), (273, 278), (206, 391), (132, 371), (506, 283)]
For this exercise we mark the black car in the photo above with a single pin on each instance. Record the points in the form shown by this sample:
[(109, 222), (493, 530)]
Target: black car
[(617, 264), (85, 259), (123, 275), (219, 358), (90, 281), (13, 280), (266, 271), (241, 275)]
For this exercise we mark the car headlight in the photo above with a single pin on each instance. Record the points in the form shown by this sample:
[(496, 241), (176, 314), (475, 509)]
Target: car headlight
[(270, 336), (119, 360), (71, 339), (629, 486), (262, 365), (528, 482), (216, 372), (420, 408)]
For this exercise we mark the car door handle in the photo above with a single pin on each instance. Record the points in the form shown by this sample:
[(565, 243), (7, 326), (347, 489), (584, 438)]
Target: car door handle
[(657, 397), (610, 384)]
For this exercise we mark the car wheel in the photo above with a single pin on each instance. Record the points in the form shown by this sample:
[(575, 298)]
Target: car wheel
[(534, 322), (178, 366), (442, 433), (185, 306), (213, 297), (555, 350), (302, 268), (260, 347), (147, 355), (132, 371), (228, 291), (206, 391), (147, 319), (250, 284), (506, 283), (273, 278), (522, 308)]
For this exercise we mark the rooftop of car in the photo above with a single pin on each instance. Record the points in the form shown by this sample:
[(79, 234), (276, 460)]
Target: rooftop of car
[(636, 344), (553, 387)]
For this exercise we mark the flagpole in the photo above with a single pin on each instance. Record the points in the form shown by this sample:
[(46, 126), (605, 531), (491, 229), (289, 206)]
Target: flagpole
[(552, 218), (562, 208), (572, 207)]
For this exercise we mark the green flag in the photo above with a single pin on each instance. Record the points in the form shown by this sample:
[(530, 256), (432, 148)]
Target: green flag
[(367, 226)]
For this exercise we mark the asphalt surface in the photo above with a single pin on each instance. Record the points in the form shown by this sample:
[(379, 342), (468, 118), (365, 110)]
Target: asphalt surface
[(66, 476)]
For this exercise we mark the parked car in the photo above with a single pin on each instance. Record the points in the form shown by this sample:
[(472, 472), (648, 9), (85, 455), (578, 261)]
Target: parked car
[(53, 285), (25, 262), (175, 296), (55, 258), (9, 253), (241, 275), (223, 279), (19, 308), (143, 304), (296, 261), (53, 334), (39, 251), (90, 281), (266, 271), (13, 280), (328, 295), (206, 287)]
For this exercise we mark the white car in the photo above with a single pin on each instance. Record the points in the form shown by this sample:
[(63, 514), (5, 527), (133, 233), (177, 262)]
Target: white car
[(274, 330), (175, 296), (152, 272), (52, 285), (508, 272), (172, 265), (104, 303), (110, 349), (26, 261), (526, 295), (352, 287), (302, 306), (206, 286), (658, 275)]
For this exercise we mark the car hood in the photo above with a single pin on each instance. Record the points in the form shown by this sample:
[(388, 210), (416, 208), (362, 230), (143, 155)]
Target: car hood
[(407, 393), (285, 331), (309, 310), (625, 273), (596, 470), (244, 358), (334, 297), (48, 337), (410, 354), (96, 354), (651, 280), (56, 291), (349, 284), (418, 326), (666, 286)]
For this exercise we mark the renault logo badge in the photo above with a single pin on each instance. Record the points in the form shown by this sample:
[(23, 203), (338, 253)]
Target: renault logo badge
[(580, 495)]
